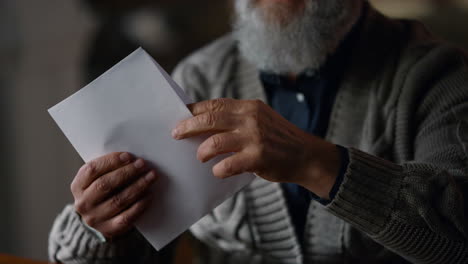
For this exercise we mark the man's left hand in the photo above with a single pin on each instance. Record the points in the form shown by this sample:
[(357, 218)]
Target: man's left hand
[(262, 142)]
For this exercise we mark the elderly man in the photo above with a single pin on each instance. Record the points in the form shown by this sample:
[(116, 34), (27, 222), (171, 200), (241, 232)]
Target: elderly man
[(361, 153)]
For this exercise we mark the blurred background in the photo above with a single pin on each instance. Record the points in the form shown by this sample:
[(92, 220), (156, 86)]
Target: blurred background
[(51, 48)]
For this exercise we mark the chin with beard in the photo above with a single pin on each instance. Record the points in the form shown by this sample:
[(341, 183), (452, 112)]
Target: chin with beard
[(284, 41)]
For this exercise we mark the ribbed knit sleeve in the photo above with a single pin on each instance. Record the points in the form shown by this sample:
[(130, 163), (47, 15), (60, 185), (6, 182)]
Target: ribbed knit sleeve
[(420, 221), (70, 241), (417, 207)]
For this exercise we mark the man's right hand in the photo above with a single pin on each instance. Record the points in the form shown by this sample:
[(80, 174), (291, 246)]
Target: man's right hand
[(111, 192)]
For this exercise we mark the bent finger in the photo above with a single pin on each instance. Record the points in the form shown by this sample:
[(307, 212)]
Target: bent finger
[(123, 200), (112, 182), (214, 105), (123, 222), (209, 122), (233, 165), (218, 144), (93, 169)]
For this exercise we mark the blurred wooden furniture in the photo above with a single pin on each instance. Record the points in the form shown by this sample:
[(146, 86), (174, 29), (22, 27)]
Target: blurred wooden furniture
[(183, 254), (184, 251), (8, 259)]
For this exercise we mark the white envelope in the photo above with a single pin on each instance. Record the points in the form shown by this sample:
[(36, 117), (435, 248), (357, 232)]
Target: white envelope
[(134, 107)]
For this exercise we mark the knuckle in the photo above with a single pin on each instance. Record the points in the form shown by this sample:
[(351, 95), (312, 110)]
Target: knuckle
[(128, 172), (258, 103), (249, 105), (125, 172), (123, 221), (82, 170), (116, 202), (83, 167), (218, 104), (90, 220), (254, 105), (115, 157), (209, 119), (252, 120), (81, 206), (90, 168), (216, 143), (102, 186), (105, 162)]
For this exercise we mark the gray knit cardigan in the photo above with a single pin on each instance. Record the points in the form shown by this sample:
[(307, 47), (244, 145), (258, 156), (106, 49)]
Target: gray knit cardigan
[(402, 111)]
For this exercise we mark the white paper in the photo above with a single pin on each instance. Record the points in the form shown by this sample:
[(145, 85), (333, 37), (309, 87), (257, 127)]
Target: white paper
[(134, 107)]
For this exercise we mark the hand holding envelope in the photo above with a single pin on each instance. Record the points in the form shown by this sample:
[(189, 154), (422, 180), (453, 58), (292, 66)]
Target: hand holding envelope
[(133, 108), (112, 191)]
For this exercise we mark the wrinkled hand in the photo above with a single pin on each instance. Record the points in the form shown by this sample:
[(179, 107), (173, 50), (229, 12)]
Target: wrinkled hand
[(111, 192), (263, 142)]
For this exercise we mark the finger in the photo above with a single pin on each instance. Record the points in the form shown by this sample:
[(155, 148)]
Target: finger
[(122, 200), (215, 105), (110, 183), (219, 144), (236, 164), (97, 167), (124, 221), (210, 122)]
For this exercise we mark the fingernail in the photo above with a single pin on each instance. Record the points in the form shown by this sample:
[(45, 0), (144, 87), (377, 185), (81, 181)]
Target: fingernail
[(124, 157), (150, 176), (139, 164)]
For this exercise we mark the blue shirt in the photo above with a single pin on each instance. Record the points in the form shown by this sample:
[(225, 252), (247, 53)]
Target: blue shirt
[(307, 104)]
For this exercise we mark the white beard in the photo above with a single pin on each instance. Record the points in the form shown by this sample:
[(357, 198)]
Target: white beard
[(303, 42)]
